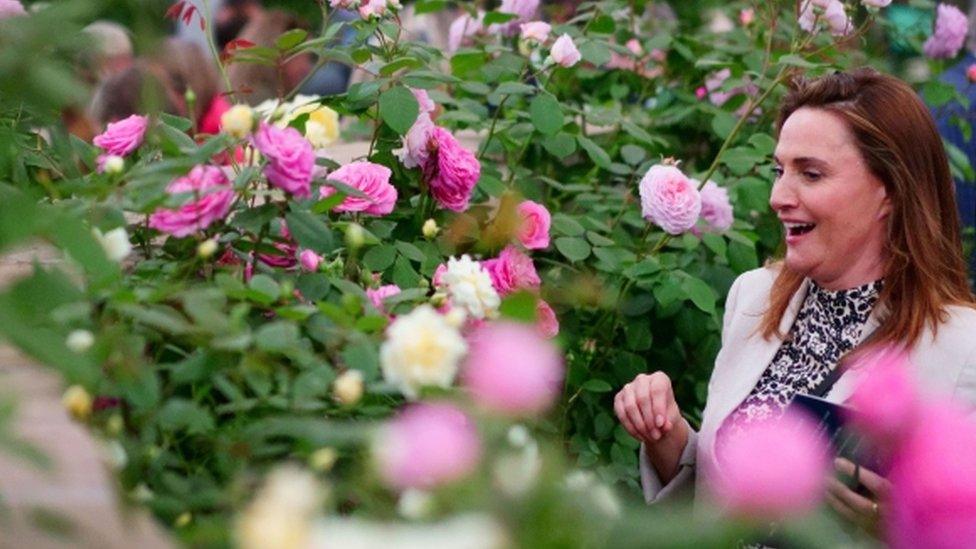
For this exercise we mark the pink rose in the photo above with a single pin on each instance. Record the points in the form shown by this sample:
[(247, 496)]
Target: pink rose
[(933, 482), (415, 150), (122, 137), (462, 29), (669, 199), (291, 159), (971, 73), (886, 401), (377, 296), (373, 180), (716, 209), (439, 272), (545, 320), (701, 92), (286, 246), (427, 445), (790, 478), (537, 31), (533, 231), (512, 270), (831, 12), (949, 35), (424, 101), (11, 8), (747, 16), (451, 171), (310, 260), (564, 51), (525, 10), (212, 199), (513, 370)]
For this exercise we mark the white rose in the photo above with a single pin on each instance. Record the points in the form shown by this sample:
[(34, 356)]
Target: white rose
[(115, 243), (238, 121), (469, 287), (421, 349), (415, 504), (79, 341)]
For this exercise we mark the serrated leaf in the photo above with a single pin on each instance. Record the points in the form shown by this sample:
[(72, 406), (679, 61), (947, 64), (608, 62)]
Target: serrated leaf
[(398, 108), (575, 249), (546, 114), (595, 152)]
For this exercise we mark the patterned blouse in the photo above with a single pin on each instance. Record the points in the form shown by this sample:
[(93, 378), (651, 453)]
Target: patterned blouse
[(828, 325)]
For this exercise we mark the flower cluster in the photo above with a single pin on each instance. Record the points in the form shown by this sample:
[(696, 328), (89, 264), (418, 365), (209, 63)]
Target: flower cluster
[(321, 126), (830, 12)]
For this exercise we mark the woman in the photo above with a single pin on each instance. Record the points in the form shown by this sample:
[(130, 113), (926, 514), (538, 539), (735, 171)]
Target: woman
[(873, 258)]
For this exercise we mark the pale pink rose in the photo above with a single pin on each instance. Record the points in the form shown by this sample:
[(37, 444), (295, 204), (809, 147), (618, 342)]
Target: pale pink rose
[(808, 15), (885, 401), (716, 209), (876, 3), (971, 73), (669, 199), (512, 270), (772, 470), (837, 19), (286, 246), (373, 180), (377, 296), (212, 198), (438, 278), (427, 445), (310, 260), (372, 8), (747, 16), (343, 4), (415, 150), (537, 31), (11, 8), (933, 482), (533, 231), (949, 35), (564, 51), (512, 369), (659, 55), (526, 10), (424, 102), (462, 29), (545, 320), (291, 159), (451, 171), (122, 137)]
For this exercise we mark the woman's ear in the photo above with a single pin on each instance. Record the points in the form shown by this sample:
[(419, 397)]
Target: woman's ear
[(885, 210)]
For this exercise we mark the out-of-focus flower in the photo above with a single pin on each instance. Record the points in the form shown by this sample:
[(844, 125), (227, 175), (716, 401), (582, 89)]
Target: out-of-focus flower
[(344, 4), (377, 8), (701, 92), (421, 349), (321, 127), (348, 387), (213, 196), (207, 248), (516, 471), (323, 459), (427, 445), (282, 512), (719, 22), (115, 243), (949, 35), (450, 170), (355, 236), (971, 73), (183, 520), (79, 341), (748, 15), (885, 401), (469, 286), (373, 180), (524, 10), (122, 137), (77, 402), (876, 3), (545, 320), (110, 164), (415, 504), (716, 208), (512, 270), (430, 229), (669, 199), (585, 485), (310, 260), (511, 369), (470, 531), (415, 150), (462, 29), (11, 8), (291, 159), (564, 51), (933, 482), (788, 481), (533, 230), (830, 12), (288, 249), (377, 296), (537, 31), (238, 121)]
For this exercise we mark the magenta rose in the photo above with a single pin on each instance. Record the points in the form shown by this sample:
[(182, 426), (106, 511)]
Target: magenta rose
[(286, 246), (212, 199), (310, 260), (450, 170), (377, 296), (533, 230), (513, 370), (669, 199), (545, 320), (122, 137), (373, 180), (512, 270), (291, 159), (716, 209), (427, 445)]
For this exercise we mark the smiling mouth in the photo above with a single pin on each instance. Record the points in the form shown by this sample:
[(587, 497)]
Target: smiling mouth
[(797, 229)]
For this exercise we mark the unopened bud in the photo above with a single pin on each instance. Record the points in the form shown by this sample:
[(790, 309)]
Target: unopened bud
[(323, 459), (310, 260), (430, 229), (438, 299), (183, 520), (79, 341), (238, 121), (190, 96), (355, 237), (207, 248), (348, 387), (113, 164), (78, 402), (115, 425)]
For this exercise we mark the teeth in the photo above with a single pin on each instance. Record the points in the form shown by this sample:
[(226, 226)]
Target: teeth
[(793, 226)]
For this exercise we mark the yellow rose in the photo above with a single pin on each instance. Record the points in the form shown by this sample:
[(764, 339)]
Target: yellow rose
[(322, 127), (238, 121), (78, 402)]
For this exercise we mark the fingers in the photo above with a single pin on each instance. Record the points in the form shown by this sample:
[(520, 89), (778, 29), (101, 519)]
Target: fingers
[(841, 508), (646, 407), (618, 408), (877, 484), (859, 504), (661, 399)]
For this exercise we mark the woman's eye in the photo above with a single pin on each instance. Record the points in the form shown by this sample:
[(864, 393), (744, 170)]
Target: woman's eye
[(812, 176)]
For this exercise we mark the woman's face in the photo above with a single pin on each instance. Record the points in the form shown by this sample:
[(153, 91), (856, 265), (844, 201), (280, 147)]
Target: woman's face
[(834, 210)]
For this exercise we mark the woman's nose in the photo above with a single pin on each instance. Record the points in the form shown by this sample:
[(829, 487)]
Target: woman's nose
[(782, 196)]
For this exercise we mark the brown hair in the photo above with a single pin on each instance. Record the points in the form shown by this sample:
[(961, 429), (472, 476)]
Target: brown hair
[(925, 271), (188, 68)]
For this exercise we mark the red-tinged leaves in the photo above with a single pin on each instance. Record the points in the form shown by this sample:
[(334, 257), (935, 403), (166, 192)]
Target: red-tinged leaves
[(175, 10), (183, 11), (231, 48)]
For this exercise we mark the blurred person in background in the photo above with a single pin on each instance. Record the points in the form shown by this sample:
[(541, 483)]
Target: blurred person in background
[(188, 69), (113, 49), (142, 88), (254, 83), (230, 18)]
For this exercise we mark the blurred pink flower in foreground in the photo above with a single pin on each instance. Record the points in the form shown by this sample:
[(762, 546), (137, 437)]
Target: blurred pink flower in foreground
[(772, 470), (971, 73), (11, 8), (122, 137), (370, 178), (535, 220), (512, 270), (564, 51), (949, 35), (716, 209), (291, 159), (830, 12), (933, 482), (512, 369), (747, 16), (212, 199), (886, 401), (450, 170), (669, 199), (427, 445), (377, 296)]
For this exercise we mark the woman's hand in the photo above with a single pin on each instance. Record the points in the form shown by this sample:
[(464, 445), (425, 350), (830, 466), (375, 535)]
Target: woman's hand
[(865, 511), (647, 409)]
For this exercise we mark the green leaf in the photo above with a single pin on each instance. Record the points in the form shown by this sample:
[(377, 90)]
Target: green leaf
[(429, 6), (398, 108), (290, 39), (253, 219), (566, 225), (362, 356), (379, 258), (722, 124), (700, 293), (632, 154), (494, 17), (793, 60), (178, 122), (519, 306), (410, 251), (597, 386), (266, 287), (514, 88), (715, 243), (183, 415), (575, 249), (595, 152), (560, 145), (280, 337), (402, 63), (596, 52), (310, 232), (602, 25), (466, 62), (546, 114)]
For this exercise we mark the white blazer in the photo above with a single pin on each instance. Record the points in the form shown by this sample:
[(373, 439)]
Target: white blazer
[(944, 363)]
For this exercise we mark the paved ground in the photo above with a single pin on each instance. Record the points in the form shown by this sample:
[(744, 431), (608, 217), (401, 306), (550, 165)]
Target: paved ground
[(74, 503)]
